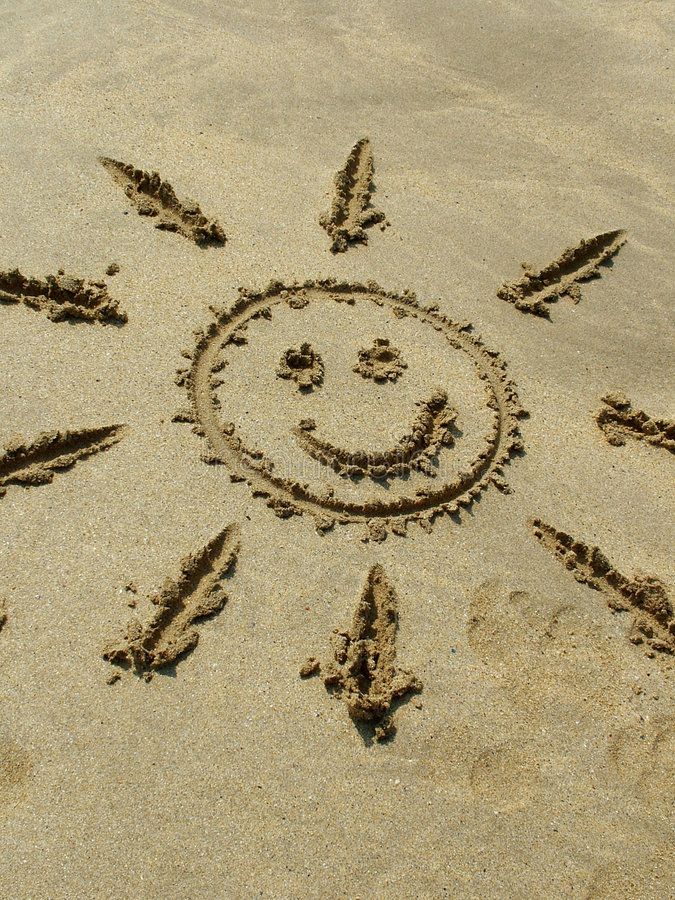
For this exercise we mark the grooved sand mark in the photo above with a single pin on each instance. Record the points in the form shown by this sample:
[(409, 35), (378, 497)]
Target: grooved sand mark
[(431, 430), (52, 451), (288, 497), (618, 421), (364, 674), (157, 199), (61, 297), (643, 595), (561, 278), (350, 213), (196, 594)]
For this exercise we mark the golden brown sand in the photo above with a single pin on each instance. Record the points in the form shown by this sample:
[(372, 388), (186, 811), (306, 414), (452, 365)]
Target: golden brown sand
[(389, 481)]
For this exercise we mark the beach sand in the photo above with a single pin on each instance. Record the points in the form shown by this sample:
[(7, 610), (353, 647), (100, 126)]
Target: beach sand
[(535, 723)]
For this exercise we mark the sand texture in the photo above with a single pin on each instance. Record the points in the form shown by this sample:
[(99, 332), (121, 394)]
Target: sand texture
[(644, 595), (336, 539)]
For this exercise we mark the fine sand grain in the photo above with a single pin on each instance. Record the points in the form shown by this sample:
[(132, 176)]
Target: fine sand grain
[(325, 446)]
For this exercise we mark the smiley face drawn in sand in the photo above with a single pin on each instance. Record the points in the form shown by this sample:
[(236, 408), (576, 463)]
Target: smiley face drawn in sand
[(316, 446)]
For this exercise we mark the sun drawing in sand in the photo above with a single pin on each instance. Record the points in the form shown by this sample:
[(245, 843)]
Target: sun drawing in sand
[(456, 437)]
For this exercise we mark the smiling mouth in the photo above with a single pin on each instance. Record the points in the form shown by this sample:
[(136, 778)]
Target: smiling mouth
[(417, 450)]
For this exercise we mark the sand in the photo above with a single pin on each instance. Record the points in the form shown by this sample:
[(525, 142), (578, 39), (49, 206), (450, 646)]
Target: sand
[(272, 399)]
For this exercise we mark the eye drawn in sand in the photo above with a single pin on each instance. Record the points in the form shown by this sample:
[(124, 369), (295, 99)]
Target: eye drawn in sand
[(381, 362), (536, 290), (53, 451), (157, 199), (196, 594), (455, 486), (643, 595), (303, 366), (62, 297), (351, 211), (618, 420), (3, 613), (363, 674)]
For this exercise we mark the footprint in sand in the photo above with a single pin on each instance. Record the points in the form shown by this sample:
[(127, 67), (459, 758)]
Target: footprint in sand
[(643, 756), (507, 777), (644, 878), (522, 640), (15, 769)]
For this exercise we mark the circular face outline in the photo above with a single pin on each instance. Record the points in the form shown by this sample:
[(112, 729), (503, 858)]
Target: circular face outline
[(287, 497)]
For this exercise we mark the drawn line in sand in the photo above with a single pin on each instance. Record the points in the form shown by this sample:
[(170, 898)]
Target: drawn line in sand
[(61, 297), (196, 594), (53, 451), (351, 213), (618, 420), (416, 450), (537, 289), (157, 199), (287, 497), (364, 675), (3, 613), (643, 595)]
